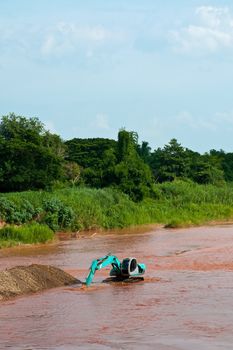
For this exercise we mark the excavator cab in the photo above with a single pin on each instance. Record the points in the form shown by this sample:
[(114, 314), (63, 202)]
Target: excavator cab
[(129, 266)]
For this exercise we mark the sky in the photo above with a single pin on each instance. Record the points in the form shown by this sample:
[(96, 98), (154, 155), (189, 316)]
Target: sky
[(162, 68)]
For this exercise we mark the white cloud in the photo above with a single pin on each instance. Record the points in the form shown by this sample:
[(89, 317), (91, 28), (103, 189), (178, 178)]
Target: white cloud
[(188, 126), (60, 39), (186, 119), (212, 123), (101, 122), (212, 16), (224, 118), (212, 32), (65, 37), (94, 33), (53, 45)]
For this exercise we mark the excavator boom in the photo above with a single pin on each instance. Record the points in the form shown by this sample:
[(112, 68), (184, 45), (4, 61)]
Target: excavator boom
[(100, 263)]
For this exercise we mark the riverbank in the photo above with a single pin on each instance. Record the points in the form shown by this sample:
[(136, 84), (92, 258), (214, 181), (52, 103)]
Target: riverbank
[(176, 204)]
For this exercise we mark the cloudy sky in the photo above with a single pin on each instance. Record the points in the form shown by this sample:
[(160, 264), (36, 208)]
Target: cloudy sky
[(163, 68)]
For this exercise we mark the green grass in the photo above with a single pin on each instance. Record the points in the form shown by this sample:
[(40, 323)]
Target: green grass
[(29, 233), (186, 203), (175, 204)]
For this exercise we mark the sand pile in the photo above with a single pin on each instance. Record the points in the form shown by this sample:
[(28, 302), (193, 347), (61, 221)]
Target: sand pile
[(21, 280)]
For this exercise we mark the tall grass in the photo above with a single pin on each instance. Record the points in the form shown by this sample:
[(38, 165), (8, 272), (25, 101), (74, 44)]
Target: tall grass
[(29, 233), (174, 204), (186, 203)]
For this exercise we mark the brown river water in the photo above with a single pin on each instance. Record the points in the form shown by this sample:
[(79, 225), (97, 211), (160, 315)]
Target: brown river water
[(185, 301)]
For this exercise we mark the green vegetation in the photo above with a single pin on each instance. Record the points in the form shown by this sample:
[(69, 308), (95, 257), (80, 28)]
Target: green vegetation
[(33, 158), (31, 233), (174, 204), (186, 203), (102, 183), (175, 161)]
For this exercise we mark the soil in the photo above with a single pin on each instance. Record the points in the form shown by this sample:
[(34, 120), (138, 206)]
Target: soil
[(22, 280)]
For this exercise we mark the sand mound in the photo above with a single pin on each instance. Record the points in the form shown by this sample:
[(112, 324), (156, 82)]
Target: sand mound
[(21, 280)]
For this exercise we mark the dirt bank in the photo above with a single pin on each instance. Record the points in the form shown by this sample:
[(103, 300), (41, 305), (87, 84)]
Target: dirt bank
[(22, 280)]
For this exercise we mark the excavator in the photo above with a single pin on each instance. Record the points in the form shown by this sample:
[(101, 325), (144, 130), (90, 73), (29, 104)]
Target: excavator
[(128, 268)]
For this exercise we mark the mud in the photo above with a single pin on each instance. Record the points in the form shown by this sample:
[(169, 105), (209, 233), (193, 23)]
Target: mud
[(21, 280)]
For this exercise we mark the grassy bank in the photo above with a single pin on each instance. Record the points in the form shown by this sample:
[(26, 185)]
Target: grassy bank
[(25, 234), (174, 204)]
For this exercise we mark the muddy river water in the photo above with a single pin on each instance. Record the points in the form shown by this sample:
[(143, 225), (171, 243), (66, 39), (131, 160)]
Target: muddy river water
[(185, 301)]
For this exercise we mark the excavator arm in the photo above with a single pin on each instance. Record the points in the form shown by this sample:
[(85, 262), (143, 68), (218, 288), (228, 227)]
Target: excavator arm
[(103, 262)]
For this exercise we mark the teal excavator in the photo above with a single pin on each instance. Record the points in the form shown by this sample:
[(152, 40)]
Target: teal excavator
[(129, 267)]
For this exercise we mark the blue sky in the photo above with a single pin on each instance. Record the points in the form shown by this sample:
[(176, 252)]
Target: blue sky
[(88, 68)]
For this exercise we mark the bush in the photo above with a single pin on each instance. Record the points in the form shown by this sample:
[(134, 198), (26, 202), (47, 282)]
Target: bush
[(57, 214), (14, 213)]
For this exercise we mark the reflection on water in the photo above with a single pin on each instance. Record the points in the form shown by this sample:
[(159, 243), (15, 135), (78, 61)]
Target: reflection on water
[(185, 301)]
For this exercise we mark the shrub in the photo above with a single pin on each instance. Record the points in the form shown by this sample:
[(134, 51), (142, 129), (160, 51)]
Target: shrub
[(17, 213), (57, 214)]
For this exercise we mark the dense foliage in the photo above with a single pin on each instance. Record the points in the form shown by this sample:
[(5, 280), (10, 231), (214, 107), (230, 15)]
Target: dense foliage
[(33, 158), (49, 185), (29, 155), (175, 161)]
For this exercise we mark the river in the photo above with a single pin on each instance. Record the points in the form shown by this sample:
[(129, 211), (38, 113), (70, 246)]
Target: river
[(184, 303)]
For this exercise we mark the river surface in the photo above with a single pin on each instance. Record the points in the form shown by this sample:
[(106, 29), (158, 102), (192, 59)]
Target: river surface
[(185, 301)]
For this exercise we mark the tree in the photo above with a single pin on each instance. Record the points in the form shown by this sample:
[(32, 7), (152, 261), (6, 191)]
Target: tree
[(20, 128), (175, 161), (55, 144), (96, 156), (225, 161), (227, 165), (170, 162), (132, 175), (144, 152), (203, 171), (88, 153), (127, 144), (72, 172), (109, 163), (27, 162)]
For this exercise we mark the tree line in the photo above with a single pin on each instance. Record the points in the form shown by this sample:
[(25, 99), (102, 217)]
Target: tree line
[(33, 158)]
